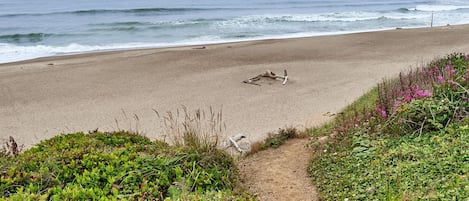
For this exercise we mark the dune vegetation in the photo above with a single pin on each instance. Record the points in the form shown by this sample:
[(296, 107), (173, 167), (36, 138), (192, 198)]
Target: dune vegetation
[(124, 166), (407, 139)]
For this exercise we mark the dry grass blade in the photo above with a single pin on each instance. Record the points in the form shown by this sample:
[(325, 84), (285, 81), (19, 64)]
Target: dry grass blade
[(11, 148), (199, 128)]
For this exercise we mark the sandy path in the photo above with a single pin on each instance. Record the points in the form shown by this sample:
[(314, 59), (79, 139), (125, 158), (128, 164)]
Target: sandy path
[(44, 97), (280, 174)]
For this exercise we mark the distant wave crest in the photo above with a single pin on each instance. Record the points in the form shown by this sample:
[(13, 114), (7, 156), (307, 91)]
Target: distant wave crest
[(326, 17), (438, 8), (135, 26), (111, 11), (24, 38), (138, 10)]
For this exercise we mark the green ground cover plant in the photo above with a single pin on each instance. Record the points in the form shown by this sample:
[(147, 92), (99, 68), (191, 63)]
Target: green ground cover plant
[(121, 166), (114, 166), (407, 139)]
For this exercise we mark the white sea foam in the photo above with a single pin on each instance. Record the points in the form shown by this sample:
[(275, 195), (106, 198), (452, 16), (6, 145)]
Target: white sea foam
[(11, 53), (247, 21), (439, 7), (123, 25)]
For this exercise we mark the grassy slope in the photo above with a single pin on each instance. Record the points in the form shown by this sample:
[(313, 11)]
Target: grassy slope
[(110, 166), (416, 150), (433, 165)]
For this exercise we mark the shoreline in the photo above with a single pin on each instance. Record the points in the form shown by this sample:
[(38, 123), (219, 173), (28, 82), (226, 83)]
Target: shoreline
[(208, 43), (194, 44), (43, 97)]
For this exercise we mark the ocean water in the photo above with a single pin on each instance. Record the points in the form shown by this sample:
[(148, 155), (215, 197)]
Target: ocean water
[(37, 28)]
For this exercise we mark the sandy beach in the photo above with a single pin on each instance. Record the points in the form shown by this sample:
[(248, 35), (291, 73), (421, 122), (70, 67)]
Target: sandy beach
[(44, 97)]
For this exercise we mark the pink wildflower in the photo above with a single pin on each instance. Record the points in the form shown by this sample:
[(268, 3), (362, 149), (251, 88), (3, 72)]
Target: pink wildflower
[(466, 76), (402, 93), (424, 73), (439, 78), (453, 84), (450, 70), (428, 93), (381, 110), (383, 114), (422, 93), (408, 97), (464, 98)]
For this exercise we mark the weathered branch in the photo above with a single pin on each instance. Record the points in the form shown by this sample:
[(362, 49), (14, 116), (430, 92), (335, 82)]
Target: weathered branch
[(268, 74), (233, 141)]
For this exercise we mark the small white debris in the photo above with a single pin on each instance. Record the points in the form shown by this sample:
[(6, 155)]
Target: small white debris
[(233, 141)]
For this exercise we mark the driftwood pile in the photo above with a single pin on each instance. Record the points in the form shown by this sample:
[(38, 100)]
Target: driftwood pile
[(268, 74)]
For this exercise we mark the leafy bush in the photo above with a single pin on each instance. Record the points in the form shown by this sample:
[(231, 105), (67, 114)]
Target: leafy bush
[(114, 166), (425, 115)]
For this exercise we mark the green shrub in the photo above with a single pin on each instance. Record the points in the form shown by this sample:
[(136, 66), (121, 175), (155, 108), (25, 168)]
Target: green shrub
[(113, 166), (423, 115), (414, 146)]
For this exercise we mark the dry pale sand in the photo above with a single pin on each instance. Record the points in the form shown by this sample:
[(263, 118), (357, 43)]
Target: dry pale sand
[(44, 97)]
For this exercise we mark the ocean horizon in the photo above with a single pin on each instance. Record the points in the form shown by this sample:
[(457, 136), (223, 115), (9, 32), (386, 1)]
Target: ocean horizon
[(39, 28)]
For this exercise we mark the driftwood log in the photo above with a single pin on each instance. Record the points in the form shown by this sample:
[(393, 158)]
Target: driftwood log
[(233, 141), (268, 74)]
